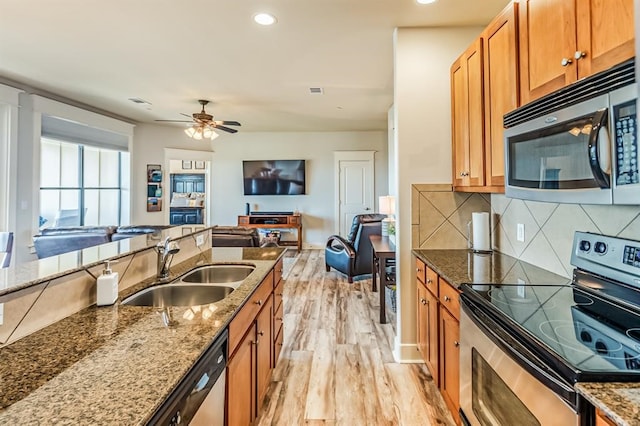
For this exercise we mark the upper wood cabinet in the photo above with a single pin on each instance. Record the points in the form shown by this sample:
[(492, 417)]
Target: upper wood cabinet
[(467, 118), (484, 87), (500, 89), (562, 41)]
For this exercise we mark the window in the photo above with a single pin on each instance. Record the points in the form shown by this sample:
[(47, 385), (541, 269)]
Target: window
[(82, 184)]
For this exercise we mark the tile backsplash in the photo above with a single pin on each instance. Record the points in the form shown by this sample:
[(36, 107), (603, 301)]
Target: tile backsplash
[(440, 216), (549, 228)]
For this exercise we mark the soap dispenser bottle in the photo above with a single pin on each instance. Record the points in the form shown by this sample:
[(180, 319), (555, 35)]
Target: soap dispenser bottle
[(107, 286)]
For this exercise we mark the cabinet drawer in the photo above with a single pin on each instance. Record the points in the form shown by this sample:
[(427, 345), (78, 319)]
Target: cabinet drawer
[(431, 281), (421, 271), (278, 294), (243, 220), (450, 298), (246, 315), (277, 270)]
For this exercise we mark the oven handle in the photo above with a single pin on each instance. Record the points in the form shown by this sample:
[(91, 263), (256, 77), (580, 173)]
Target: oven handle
[(595, 160), (564, 390)]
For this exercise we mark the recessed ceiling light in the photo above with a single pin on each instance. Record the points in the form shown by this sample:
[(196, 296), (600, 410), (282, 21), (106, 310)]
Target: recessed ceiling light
[(426, 1), (264, 19)]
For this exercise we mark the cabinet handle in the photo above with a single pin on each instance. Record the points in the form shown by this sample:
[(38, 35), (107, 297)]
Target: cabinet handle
[(256, 342), (259, 302), (447, 298), (418, 270), (423, 301), (456, 343), (279, 294), (261, 333), (566, 61), (463, 174), (429, 281), (579, 54), (279, 318)]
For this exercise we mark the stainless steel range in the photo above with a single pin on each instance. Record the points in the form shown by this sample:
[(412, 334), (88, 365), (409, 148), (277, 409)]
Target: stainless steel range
[(523, 347)]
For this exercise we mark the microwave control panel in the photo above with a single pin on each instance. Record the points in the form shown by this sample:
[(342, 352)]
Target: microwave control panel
[(626, 143)]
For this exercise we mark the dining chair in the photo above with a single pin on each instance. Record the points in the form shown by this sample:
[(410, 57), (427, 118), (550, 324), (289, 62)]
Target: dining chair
[(6, 246)]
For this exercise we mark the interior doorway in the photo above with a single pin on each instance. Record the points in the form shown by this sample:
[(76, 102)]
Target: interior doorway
[(354, 177), (189, 187)]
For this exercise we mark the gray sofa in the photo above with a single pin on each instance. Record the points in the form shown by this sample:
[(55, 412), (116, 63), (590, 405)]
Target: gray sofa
[(54, 241)]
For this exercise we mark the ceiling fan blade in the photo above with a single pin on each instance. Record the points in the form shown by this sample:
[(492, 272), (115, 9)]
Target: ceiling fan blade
[(175, 121), (186, 115), (226, 129), (228, 123)]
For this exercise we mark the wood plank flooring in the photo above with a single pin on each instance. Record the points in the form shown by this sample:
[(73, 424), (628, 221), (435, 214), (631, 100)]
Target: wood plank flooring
[(336, 365)]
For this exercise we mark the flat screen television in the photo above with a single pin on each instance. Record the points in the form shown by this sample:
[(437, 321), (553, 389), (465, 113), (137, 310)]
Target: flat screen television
[(274, 177)]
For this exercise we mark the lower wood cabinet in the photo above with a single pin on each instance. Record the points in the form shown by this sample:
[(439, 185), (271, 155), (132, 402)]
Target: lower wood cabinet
[(438, 333), (450, 361), (253, 351)]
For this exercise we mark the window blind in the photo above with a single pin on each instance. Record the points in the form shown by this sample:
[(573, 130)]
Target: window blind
[(70, 131)]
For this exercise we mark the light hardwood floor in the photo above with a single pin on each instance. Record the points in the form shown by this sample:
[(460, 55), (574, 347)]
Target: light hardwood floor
[(336, 365)]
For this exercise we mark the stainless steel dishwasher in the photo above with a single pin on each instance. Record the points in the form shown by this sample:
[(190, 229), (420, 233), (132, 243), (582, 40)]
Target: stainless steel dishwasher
[(199, 399)]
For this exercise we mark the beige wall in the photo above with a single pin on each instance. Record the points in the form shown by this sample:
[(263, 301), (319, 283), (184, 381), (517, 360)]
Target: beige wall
[(422, 122)]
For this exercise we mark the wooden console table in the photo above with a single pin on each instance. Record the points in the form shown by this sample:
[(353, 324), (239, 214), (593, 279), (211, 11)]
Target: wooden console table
[(383, 250), (276, 221)]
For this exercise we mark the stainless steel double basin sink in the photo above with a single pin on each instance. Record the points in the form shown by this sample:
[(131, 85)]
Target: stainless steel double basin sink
[(201, 286)]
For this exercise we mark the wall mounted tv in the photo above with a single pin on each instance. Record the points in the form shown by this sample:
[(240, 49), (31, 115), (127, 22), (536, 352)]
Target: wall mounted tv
[(274, 177)]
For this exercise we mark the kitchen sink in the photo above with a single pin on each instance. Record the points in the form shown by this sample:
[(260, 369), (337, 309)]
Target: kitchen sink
[(219, 274), (178, 294)]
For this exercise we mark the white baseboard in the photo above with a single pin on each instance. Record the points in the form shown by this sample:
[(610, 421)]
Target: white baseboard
[(407, 353)]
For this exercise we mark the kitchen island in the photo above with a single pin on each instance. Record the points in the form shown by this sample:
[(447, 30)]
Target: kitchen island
[(117, 364)]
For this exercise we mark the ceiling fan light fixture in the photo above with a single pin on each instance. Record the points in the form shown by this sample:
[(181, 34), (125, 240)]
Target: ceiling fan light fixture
[(426, 1), (199, 132), (264, 18)]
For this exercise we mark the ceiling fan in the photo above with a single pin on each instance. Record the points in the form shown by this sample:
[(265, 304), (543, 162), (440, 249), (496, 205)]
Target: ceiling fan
[(203, 124)]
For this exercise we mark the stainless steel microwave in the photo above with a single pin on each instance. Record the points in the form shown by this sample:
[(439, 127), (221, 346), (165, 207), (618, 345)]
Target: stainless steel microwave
[(584, 153)]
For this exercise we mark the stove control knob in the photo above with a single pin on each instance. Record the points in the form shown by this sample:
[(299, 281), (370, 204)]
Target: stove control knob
[(585, 245), (600, 247)]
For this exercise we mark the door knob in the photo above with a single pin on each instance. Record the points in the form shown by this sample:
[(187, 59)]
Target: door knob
[(579, 54), (423, 301), (456, 343), (367, 209), (566, 61), (447, 298)]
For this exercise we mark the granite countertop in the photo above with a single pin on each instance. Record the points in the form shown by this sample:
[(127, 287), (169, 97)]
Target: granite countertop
[(117, 364), (458, 267), (619, 401)]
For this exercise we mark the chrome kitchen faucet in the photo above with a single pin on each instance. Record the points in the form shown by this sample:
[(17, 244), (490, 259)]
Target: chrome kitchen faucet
[(165, 250)]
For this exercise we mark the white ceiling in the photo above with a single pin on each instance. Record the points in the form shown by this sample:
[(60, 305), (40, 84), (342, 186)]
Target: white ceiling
[(171, 53)]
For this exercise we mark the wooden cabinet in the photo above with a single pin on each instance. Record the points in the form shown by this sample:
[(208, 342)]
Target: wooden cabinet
[(450, 361), (253, 350), (602, 419), (484, 86), (467, 118), (438, 332), (499, 42), (275, 221), (561, 41)]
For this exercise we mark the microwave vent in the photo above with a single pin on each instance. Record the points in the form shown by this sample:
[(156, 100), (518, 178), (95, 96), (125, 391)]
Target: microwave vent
[(606, 81)]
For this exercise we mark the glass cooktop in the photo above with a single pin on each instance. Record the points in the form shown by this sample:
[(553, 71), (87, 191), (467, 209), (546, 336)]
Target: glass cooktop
[(594, 338)]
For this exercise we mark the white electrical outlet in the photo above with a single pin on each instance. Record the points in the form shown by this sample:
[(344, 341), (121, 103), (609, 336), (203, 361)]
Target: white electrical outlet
[(520, 232), (199, 240)]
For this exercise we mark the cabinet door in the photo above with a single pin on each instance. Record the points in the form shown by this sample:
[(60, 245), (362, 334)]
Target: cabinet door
[(422, 321), (459, 125), (500, 89), (264, 347), (241, 374), (605, 34), (468, 117), (432, 348), (547, 35), (449, 361)]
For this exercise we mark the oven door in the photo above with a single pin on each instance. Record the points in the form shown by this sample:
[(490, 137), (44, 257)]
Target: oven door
[(564, 156), (496, 387)]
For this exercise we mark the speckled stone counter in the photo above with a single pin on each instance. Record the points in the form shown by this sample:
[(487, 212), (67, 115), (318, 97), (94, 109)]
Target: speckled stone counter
[(619, 401), (464, 266), (117, 364)]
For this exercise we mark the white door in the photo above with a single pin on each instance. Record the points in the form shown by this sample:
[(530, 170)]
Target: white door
[(355, 182)]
